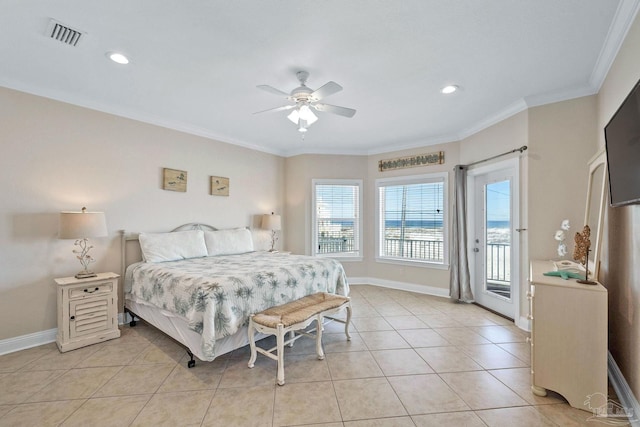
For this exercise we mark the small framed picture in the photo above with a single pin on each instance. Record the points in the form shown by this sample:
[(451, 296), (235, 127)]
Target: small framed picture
[(219, 186), (174, 180)]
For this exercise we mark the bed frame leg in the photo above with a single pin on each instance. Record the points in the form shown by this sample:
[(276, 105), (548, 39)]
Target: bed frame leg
[(191, 363), (133, 318)]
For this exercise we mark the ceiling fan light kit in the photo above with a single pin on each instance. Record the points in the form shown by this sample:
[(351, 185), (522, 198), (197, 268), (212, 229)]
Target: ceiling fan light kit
[(305, 99)]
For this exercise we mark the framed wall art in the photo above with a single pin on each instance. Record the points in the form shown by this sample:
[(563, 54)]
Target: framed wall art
[(174, 180), (219, 186)]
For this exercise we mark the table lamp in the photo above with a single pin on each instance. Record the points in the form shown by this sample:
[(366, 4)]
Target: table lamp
[(81, 226), (274, 223)]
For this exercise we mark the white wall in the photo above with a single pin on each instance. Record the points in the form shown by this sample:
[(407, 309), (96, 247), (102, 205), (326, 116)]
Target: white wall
[(56, 156)]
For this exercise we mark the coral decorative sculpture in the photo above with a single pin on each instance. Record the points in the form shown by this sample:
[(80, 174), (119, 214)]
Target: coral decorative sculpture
[(581, 253)]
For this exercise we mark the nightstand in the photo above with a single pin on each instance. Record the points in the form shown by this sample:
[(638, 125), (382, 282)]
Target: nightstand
[(87, 310)]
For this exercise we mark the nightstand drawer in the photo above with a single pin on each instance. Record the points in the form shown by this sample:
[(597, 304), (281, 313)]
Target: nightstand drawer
[(91, 290)]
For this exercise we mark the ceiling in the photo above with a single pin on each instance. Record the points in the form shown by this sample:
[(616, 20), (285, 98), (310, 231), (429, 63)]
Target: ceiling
[(195, 64)]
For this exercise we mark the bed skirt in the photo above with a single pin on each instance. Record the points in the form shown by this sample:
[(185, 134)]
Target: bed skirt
[(178, 329)]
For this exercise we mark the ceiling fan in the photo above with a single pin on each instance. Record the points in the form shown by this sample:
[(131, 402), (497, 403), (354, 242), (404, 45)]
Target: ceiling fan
[(307, 99)]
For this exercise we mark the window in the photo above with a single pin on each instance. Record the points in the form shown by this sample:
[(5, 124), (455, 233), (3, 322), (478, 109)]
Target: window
[(412, 222), (337, 228)]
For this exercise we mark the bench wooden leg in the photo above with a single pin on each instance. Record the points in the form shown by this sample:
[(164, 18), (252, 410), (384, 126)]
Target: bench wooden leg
[(292, 335), (280, 349), (252, 343), (346, 323), (319, 351)]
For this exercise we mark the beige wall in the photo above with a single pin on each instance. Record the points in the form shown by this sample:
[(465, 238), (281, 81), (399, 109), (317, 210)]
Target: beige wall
[(620, 269), (504, 136), (299, 171), (56, 157), (562, 140), (421, 276)]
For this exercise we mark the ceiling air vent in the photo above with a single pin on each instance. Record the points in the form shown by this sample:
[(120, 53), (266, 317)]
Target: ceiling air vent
[(63, 33)]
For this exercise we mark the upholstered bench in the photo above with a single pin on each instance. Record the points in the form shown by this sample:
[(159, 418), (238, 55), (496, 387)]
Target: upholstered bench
[(294, 317)]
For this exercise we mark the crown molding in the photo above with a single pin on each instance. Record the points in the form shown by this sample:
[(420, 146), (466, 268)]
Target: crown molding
[(622, 21)]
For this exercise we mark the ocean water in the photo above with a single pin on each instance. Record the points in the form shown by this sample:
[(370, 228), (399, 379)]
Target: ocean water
[(437, 224)]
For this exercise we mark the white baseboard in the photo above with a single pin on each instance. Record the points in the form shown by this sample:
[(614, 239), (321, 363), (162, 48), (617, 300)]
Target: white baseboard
[(523, 323), (624, 392), (403, 286), (24, 342), (123, 318)]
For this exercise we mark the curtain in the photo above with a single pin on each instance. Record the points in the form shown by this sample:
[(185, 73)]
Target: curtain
[(460, 279)]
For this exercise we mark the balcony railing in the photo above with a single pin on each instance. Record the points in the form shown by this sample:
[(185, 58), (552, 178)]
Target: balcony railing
[(499, 262), (498, 254), (333, 245), (412, 249)]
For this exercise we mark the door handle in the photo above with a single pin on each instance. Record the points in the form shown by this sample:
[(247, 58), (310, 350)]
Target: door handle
[(476, 250)]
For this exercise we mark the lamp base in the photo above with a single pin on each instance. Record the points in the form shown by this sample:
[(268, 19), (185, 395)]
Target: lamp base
[(587, 282), (85, 274)]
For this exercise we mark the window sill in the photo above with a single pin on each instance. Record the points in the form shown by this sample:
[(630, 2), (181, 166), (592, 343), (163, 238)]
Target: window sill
[(419, 264), (341, 258)]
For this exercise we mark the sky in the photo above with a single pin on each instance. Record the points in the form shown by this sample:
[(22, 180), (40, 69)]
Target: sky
[(498, 201)]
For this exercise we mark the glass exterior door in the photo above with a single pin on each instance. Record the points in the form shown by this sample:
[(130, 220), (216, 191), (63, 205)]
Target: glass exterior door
[(493, 246), (497, 239)]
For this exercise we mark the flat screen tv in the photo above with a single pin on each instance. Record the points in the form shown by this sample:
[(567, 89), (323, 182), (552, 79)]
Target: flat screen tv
[(622, 137)]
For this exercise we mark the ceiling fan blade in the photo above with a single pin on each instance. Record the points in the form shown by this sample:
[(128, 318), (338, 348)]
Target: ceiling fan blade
[(273, 110), (341, 111), (326, 90), (273, 90)]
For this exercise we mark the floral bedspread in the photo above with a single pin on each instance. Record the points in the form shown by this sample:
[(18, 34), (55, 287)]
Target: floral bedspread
[(216, 295)]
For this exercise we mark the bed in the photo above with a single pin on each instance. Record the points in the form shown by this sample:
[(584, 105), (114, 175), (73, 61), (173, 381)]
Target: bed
[(199, 285)]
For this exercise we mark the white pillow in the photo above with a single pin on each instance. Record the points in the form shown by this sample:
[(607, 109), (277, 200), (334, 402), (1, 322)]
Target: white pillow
[(228, 242), (161, 247)]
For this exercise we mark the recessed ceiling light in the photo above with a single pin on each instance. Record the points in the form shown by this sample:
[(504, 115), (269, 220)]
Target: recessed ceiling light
[(118, 57), (449, 89)]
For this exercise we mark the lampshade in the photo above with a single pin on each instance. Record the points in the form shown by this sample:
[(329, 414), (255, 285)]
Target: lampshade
[(294, 116), (271, 222), (307, 115), (78, 225), (303, 117)]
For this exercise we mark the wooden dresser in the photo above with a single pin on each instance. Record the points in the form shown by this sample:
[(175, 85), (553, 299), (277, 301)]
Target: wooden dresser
[(568, 337)]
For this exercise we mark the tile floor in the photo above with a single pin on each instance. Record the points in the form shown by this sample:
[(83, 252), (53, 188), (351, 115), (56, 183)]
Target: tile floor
[(413, 360)]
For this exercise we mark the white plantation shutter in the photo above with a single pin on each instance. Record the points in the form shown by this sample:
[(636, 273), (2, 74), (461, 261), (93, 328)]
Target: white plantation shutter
[(336, 222), (412, 220)]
